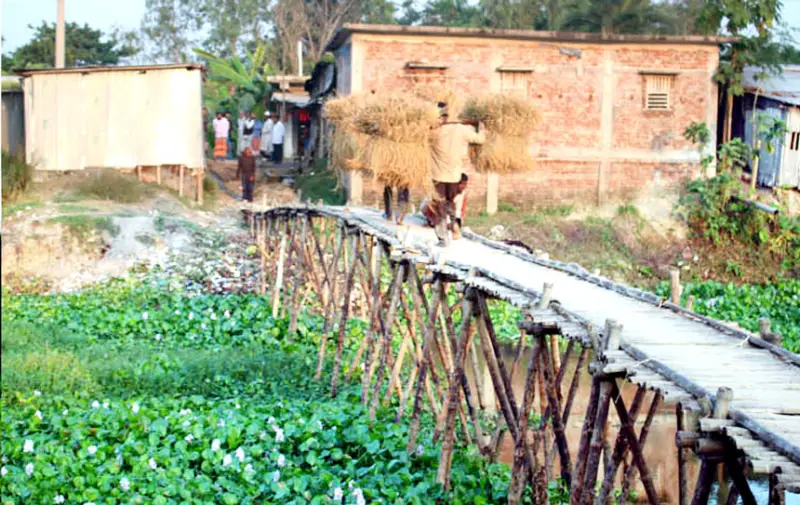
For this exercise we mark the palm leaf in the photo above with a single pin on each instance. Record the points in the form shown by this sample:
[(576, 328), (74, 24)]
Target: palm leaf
[(238, 66), (229, 73), (205, 54), (258, 57)]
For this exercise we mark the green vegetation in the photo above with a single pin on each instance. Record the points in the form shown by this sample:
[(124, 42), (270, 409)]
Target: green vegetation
[(142, 394), (82, 226), (111, 185), (10, 210), (68, 208), (321, 184), (745, 304), (17, 175)]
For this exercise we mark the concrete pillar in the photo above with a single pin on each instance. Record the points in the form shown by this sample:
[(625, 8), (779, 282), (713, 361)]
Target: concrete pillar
[(355, 188), (60, 35), (492, 190)]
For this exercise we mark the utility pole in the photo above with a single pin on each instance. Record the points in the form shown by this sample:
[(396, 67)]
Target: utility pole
[(60, 35)]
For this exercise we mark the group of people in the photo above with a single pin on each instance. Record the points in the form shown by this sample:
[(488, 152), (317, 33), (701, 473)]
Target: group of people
[(255, 136), (265, 137), (450, 158)]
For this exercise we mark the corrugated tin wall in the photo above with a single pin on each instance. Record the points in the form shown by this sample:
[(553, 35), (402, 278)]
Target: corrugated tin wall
[(114, 119), (13, 126), (769, 165)]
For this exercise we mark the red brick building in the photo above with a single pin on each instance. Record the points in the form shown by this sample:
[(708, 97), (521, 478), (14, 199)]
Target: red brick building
[(613, 108)]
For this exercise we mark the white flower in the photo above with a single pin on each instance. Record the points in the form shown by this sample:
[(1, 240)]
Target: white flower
[(59, 499), (186, 424), (281, 460), (189, 438), (248, 468), (29, 469), (124, 484), (338, 494), (227, 313), (38, 414), (221, 423), (238, 406), (271, 420), (279, 437), (233, 323), (319, 424), (36, 392), (144, 316), (158, 337), (105, 405), (191, 316), (276, 476), (135, 408), (3, 471), (184, 412), (301, 421), (420, 450), (28, 446), (359, 497), (226, 460), (213, 317), (88, 503), (95, 404), (119, 459), (152, 464), (65, 412), (203, 326), (240, 454), (92, 450), (177, 312), (215, 444), (262, 435)]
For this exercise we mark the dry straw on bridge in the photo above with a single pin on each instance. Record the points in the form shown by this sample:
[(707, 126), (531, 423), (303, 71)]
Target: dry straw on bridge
[(509, 123), (398, 129)]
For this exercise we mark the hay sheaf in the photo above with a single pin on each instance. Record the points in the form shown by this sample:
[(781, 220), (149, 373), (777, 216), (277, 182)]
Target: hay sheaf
[(347, 145), (399, 164), (443, 93), (509, 122)]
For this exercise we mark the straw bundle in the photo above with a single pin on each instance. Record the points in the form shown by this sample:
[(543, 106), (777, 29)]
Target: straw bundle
[(509, 121), (443, 93), (346, 144), (397, 148)]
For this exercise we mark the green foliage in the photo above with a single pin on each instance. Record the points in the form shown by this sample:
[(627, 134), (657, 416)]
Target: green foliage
[(321, 184), (746, 304), (83, 46), (169, 25), (109, 184), (733, 156), (770, 129), (699, 135), (619, 16), (17, 176), (82, 226), (237, 85)]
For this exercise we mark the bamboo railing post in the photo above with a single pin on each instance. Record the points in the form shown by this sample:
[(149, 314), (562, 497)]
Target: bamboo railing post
[(555, 411), (397, 286), (620, 450), (369, 360), (427, 361), (333, 272), (454, 394), (298, 279), (777, 495), (348, 286), (576, 490), (276, 292), (598, 436), (675, 286), (291, 256)]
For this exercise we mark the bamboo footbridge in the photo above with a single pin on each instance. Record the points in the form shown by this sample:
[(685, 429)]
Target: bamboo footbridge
[(736, 394)]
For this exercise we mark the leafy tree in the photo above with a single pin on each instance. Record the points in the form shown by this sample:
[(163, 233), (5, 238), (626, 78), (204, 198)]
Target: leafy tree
[(410, 15), (169, 25), (377, 12), (513, 14), (619, 16), (83, 46), (451, 13), (236, 84), (233, 23)]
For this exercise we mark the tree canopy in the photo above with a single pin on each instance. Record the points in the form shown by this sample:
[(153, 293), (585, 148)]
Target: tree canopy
[(83, 46)]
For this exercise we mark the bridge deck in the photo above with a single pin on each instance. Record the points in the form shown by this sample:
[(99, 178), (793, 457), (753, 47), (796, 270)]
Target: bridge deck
[(677, 348)]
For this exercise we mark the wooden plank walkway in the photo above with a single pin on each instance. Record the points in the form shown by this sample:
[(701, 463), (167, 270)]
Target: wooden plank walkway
[(681, 354)]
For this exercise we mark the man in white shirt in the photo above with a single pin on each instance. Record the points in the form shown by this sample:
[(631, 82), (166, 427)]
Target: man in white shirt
[(221, 129), (278, 134), (266, 135)]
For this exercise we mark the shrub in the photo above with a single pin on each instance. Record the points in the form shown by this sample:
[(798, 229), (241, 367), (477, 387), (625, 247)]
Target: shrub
[(112, 185), (17, 175)]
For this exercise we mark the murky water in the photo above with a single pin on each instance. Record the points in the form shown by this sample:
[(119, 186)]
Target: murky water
[(659, 451)]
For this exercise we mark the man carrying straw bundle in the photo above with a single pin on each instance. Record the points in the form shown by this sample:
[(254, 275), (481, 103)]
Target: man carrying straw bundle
[(450, 156)]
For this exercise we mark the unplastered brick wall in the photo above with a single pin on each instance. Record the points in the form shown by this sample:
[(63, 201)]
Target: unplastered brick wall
[(591, 100)]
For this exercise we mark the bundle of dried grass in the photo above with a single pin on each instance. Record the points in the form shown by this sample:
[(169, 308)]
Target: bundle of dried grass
[(443, 93), (509, 121), (398, 130), (347, 145)]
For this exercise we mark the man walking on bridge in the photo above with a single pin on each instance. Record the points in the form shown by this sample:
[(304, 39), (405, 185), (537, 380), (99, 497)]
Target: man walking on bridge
[(450, 160)]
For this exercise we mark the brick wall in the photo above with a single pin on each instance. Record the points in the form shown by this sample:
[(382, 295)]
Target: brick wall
[(594, 138)]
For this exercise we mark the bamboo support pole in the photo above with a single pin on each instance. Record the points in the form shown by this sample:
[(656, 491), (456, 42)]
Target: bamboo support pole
[(620, 450), (181, 180), (675, 286), (372, 342), (298, 279), (630, 471), (548, 370), (736, 471), (596, 443), (777, 495), (200, 186), (454, 395), (291, 257), (158, 175), (683, 471), (329, 308), (579, 472), (348, 286), (276, 291), (400, 270)]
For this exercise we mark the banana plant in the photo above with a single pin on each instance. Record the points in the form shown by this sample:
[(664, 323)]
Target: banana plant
[(237, 85)]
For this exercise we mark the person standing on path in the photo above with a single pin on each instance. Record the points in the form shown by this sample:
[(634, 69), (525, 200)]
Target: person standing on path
[(248, 126), (266, 135), (246, 169), (229, 119), (221, 130), (450, 160), (278, 135), (259, 126)]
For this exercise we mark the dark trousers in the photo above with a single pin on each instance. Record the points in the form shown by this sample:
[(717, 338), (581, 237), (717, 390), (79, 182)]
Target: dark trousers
[(448, 191), (277, 153), (402, 199), (247, 188)]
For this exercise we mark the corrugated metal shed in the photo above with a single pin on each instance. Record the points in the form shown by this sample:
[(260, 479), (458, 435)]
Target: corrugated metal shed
[(784, 88), (117, 117)]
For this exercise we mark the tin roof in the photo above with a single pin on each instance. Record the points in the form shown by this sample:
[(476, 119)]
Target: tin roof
[(26, 72), (784, 87), (444, 31)]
